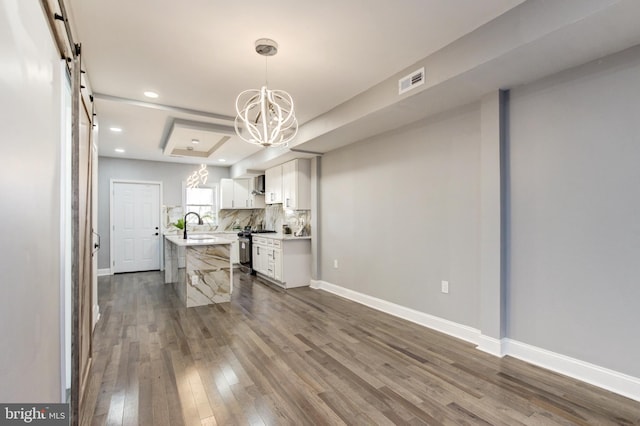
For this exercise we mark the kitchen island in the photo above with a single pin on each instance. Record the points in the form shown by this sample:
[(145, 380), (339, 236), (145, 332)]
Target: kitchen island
[(207, 277)]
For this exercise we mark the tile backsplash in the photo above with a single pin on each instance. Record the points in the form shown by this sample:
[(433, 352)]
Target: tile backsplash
[(276, 217), (273, 217)]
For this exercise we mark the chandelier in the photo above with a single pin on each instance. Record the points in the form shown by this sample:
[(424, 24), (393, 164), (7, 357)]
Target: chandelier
[(265, 117), (198, 177)]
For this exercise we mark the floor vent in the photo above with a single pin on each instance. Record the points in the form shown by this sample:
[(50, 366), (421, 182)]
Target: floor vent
[(411, 81)]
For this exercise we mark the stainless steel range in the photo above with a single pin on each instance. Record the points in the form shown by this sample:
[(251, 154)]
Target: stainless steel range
[(244, 246)]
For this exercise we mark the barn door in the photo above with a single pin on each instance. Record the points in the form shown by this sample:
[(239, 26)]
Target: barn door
[(85, 242)]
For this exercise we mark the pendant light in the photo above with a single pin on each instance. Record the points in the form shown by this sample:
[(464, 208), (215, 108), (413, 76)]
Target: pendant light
[(265, 117)]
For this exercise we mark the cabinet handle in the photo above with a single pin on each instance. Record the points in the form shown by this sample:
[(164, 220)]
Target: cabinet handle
[(231, 203), (258, 250), (287, 203), (246, 203)]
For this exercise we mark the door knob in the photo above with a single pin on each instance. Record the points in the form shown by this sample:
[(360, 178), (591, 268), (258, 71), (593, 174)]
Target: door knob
[(156, 233)]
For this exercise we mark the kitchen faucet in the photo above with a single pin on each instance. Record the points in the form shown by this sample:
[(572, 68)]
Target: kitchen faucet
[(185, 222)]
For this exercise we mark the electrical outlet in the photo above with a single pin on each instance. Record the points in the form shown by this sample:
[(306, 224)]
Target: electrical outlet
[(194, 279), (445, 286), (335, 263)]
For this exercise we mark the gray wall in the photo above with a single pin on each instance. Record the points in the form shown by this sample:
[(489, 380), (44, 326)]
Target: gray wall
[(400, 213), (574, 246), (30, 184), (170, 174)]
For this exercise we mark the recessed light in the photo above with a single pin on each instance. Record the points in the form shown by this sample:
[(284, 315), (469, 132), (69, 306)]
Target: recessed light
[(115, 129), (119, 150), (222, 160), (150, 94), (195, 141)]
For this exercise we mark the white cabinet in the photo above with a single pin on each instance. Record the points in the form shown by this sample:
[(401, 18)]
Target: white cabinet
[(277, 264), (267, 257), (237, 194), (289, 184), (241, 193), (226, 193), (285, 262), (273, 185), (259, 255), (256, 257), (296, 185)]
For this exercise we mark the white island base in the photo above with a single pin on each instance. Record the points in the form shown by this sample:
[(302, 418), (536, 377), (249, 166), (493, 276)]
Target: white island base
[(207, 277)]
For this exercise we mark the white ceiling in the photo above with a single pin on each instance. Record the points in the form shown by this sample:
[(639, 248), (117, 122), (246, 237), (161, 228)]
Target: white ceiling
[(198, 55)]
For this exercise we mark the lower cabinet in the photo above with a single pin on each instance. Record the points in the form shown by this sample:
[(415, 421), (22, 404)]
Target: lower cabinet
[(277, 264), (258, 257), (285, 262)]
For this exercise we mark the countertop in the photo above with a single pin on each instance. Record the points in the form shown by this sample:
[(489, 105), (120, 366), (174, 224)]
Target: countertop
[(199, 241), (281, 236)]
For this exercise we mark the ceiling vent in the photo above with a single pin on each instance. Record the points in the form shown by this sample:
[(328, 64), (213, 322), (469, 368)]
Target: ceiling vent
[(411, 81)]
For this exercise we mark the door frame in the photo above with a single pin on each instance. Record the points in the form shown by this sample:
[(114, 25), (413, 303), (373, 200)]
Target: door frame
[(160, 204)]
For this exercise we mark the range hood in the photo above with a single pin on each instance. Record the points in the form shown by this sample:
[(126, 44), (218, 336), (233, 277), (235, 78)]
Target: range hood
[(258, 185)]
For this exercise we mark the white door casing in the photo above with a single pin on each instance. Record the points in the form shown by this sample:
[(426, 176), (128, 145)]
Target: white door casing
[(135, 226)]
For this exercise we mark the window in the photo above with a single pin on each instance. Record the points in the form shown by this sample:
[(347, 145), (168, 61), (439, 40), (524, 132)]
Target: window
[(203, 202)]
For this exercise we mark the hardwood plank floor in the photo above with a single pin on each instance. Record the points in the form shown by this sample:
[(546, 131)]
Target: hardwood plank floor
[(303, 356)]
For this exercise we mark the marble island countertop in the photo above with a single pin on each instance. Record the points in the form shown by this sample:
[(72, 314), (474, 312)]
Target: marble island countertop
[(197, 240)]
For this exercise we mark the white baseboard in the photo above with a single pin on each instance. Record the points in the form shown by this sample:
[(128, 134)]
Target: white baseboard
[(491, 345), (610, 380), (451, 328), (605, 378), (103, 272)]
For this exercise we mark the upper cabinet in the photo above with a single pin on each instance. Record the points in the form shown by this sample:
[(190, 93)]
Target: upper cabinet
[(273, 185), (226, 193), (238, 194), (290, 185), (241, 193)]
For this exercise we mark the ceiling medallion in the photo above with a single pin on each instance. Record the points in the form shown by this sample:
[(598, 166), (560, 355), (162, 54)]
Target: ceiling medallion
[(265, 117)]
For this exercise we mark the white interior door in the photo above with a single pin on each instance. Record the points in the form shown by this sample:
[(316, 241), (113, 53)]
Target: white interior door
[(136, 226)]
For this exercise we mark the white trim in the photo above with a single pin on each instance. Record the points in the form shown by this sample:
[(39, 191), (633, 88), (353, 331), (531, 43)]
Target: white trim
[(96, 315), (160, 201), (104, 271), (491, 345), (451, 328), (605, 378)]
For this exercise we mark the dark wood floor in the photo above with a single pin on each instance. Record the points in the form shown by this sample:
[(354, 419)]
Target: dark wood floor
[(307, 357)]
